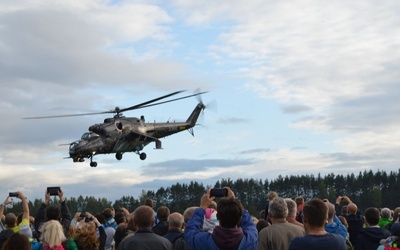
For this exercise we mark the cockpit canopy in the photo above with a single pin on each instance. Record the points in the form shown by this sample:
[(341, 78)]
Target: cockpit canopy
[(89, 135)]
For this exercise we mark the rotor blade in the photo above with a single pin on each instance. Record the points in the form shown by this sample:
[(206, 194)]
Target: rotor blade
[(106, 112), (171, 100), (154, 100), (70, 115)]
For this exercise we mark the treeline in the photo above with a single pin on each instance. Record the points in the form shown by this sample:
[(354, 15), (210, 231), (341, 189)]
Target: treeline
[(365, 189)]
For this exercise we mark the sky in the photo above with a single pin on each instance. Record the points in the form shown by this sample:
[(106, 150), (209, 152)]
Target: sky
[(295, 88)]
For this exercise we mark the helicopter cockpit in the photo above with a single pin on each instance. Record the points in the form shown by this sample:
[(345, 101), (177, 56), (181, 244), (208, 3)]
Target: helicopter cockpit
[(89, 136)]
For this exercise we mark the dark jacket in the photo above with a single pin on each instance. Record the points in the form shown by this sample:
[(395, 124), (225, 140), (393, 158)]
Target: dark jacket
[(369, 238), (161, 228), (40, 217), (198, 239), (145, 239)]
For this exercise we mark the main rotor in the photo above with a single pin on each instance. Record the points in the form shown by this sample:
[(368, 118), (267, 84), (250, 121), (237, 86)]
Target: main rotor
[(118, 111)]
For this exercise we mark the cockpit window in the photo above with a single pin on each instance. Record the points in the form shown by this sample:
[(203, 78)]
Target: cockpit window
[(89, 135), (85, 136)]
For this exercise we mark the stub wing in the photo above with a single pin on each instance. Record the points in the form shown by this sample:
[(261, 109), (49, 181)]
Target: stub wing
[(133, 141)]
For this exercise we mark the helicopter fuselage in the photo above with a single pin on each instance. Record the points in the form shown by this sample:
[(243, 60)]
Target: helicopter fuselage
[(127, 134)]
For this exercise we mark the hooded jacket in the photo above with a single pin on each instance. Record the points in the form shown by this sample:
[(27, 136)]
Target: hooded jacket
[(244, 237), (369, 238), (337, 227)]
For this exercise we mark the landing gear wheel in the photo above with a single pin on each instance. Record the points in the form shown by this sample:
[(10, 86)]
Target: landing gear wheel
[(93, 164), (142, 156), (118, 156)]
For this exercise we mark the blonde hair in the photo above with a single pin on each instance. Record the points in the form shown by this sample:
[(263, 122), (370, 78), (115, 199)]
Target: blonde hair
[(52, 234)]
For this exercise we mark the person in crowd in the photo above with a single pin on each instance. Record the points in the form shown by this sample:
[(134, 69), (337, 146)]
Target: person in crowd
[(211, 218), (261, 224), (124, 230), (386, 217), (162, 215), (85, 235), (271, 195), (108, 227), (335, 225), (175, 226), (369, 238), (394, 240), (292, 212), (17, 241), (280, 233), (109, 214), (315, 214), (17, 224), (395, 219), (354, 218), (227, 235), (121, 216), (52, 235), (181, 243), (144, 238), (149, 202), (300, 203), (53, 212), (261, 215)]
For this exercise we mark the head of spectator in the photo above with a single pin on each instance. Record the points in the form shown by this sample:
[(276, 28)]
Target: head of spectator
[(372, 216), (261, 215), (188, 213), (315, 214), (175, 222), (261, 224), (278, 210), (271, 195), (352, 208), (396, 213), (85, 235), (331, 211), (162, 213), (17, 242), (344, 221), (120, 218), (343, 210), (52, 234), (299, 201), (149, 202), (292, 207), (386, 213), (229, 212), (395, 229), (11, 220), (143, 217), (53, 212)]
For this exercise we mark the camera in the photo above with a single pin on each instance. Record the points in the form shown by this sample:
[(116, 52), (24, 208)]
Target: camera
[(219, 192), (13, 194), (53, 190)]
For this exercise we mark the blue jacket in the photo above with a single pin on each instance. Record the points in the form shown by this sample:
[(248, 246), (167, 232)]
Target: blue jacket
[(336, 227), (197, 239)]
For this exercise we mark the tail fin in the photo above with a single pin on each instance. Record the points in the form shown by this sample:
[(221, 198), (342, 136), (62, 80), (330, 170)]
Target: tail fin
[(195, 114)]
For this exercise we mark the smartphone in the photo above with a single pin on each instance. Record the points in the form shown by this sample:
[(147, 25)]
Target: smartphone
[(13, 194), (219, 192), (53, 190)]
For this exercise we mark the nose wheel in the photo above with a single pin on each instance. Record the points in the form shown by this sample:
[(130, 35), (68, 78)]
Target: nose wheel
[(93, 164), (142, 156)]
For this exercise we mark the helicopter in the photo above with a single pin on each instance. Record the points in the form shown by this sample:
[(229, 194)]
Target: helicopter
[(119, 134)]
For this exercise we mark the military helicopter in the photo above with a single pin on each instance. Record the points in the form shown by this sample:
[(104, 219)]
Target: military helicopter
[(121, 134)]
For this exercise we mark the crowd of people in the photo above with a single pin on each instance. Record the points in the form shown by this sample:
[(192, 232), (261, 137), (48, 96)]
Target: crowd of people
[(217, 223)]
